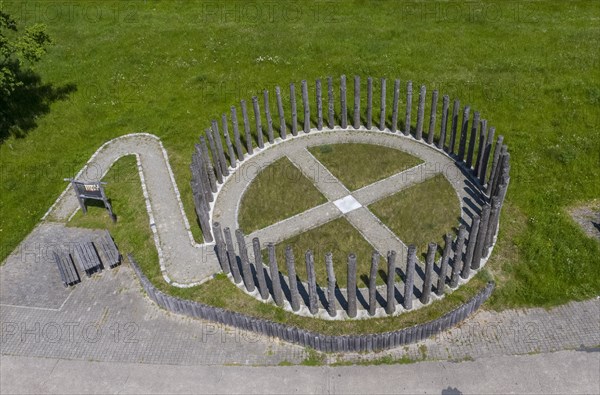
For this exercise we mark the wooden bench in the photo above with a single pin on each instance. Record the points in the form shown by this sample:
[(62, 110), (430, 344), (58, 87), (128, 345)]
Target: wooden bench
[(66, 268), (88, 258), (106, 245)]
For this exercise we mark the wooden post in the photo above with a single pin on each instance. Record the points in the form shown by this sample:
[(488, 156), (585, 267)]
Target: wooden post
[(230, 151), (504, 171), (294, 110), (268, 116), (455, 109), (394, 127), (306, 107), (344, 111), (441, 285), (409, 283), (356, 102), (444, 122), (504, 179), (274, 272), (293, 282), (319, 99), (203, 174), (220, 151), (426, 293), (472, 139), (408, 108), (493, 222), (463, 134), (246, 270), (220, 247), (312, 282), (208, 165), (215, 155), (458, 254), (470, 247), (233, 265), (420, 113), (282, 128), (247, 134), (390, 305), (201, 212), (351, 287), (330, 104), (331, 305), (260, 270), (497, 151), (486, 156), (497, 171), (383, 104), (432, 116), (481, 148), (236, 134), (480, 243), (259, 131), (369, 103), (373, 283)]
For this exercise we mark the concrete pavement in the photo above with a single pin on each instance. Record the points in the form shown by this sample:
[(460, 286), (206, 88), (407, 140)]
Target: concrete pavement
[(564, 372)]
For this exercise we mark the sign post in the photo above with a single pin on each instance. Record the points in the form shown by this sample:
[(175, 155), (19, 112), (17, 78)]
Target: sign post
[(91, 190)]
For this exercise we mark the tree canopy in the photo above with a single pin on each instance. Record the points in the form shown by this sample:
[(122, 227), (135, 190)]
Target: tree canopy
[(18, 50)]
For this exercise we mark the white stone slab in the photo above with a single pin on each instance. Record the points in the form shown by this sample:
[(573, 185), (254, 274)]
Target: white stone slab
[(347, 204)]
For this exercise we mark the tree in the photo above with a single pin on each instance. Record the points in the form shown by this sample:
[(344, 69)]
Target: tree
[(20, 99), (18, 50)]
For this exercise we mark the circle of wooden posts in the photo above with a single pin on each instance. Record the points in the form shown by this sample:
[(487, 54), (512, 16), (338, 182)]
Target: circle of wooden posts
[(488, 170)]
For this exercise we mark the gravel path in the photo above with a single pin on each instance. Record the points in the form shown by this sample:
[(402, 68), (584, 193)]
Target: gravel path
[(182, 261)]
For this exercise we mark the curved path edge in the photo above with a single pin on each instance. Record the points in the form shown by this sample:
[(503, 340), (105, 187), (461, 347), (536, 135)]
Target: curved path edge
[(315, 340), (183, 262)]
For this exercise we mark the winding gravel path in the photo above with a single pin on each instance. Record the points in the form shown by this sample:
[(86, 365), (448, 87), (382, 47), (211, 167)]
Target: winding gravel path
[(183, 261)]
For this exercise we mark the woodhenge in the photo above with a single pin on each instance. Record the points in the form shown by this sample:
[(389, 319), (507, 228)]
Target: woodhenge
[(460, 136)]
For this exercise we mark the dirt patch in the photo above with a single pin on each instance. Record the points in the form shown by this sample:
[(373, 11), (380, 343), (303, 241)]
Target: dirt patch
[(588, 217)]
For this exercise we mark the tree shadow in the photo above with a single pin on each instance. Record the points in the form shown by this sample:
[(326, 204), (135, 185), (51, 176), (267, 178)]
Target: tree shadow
[(30, 100)]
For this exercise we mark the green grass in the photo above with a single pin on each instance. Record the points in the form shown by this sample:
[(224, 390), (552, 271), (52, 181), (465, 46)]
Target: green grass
[(385, 360), (314, 358), (358, 165), (278, 192), (421, 214), (338, 237), (184, 67), (131, 231)]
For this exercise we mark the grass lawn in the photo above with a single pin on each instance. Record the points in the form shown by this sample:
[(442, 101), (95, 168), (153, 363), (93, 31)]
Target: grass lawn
[(169, 67), (421, 214), (278, 192), (358, 165), (338, 237)]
